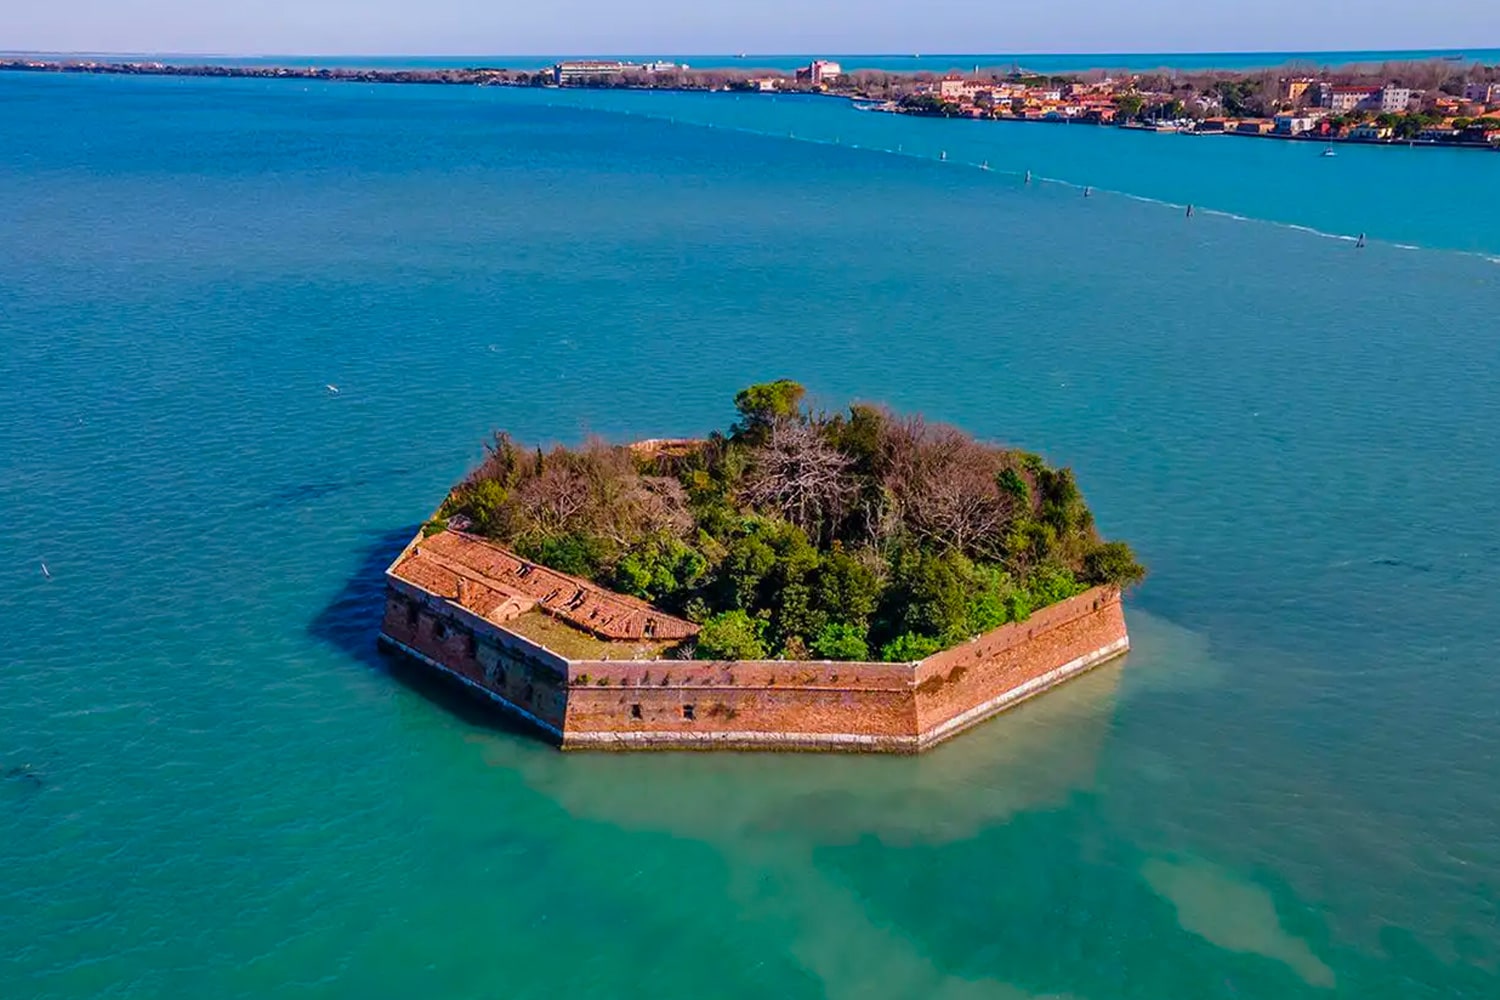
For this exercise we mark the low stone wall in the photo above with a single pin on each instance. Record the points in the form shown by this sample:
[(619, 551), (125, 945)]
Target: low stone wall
[(773, 704)]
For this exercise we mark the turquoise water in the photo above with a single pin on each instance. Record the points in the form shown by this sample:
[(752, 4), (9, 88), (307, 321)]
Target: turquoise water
[(1040, 62), (217, 788)]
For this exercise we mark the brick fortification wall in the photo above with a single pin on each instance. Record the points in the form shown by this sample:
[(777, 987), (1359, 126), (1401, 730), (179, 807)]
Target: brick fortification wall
[(782, 704), (967, 684), (849, 706), (521, 676), (779, 704)]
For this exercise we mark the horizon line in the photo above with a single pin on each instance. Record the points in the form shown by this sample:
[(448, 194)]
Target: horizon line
[(1455, 49)]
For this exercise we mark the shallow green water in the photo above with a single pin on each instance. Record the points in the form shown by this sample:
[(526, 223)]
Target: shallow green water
[(1287, 789)]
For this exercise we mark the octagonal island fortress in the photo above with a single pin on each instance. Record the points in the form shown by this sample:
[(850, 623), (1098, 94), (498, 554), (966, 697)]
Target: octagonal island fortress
[(804, 581)]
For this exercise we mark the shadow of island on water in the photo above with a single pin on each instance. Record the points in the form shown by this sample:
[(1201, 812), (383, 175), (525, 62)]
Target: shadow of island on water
[(351, 621)]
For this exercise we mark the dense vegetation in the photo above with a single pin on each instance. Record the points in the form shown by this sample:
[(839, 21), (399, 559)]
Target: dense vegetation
[(849, 536)]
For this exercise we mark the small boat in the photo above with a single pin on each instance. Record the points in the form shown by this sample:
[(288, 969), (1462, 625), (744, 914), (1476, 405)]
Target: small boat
[(1328, 151)]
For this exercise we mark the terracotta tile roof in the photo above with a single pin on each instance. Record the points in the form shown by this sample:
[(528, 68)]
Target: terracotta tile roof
[(496, 583)]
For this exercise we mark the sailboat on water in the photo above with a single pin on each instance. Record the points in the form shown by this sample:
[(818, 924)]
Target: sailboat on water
[(1328, 149)]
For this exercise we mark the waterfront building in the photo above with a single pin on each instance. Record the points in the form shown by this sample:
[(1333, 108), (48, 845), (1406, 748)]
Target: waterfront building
[(1370, 133), (1394, 100), (1480, 133), (955, 88), (1341, 100), (582, 70), (1296, 122), (1293, 88), (820, 72), (1483, 93)]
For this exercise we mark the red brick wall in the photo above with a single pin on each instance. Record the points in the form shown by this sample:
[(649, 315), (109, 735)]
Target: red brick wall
[(764, 697), (895, 706), (959, 679), (478, 652)]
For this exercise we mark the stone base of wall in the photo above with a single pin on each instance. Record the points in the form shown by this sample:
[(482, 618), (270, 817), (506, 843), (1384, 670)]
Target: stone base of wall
[(515, 711), (1030, 689), (755, 705)]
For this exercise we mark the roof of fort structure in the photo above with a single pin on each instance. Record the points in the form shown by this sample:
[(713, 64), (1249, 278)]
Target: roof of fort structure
[(666, 447), (496, 584)]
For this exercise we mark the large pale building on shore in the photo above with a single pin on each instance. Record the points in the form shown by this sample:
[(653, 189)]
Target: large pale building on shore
[(820, 72), (1389, 99)]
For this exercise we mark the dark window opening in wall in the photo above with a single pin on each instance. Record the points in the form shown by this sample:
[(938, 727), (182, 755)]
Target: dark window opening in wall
[(689, 712), (635, 711), (412, 611), (440, 631), (528, 694), (471, 645), (499, 677)]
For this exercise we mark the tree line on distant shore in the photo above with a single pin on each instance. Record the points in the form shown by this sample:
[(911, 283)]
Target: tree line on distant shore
[(1258, 93), (805, 534)]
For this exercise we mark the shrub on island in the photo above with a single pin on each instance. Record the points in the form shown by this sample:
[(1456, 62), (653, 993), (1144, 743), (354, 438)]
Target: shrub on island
[(800, 534)]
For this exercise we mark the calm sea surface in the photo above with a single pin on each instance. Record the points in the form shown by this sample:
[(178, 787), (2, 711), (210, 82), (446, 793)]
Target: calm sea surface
[(213, 787)]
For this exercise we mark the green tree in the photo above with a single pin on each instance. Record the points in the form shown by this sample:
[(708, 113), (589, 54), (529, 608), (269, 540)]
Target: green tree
[(483, 502), (909, 646), (793, 616), (842, 642), (847, 589), (763, 404), (1050, 584), (1014, 485), (1113, 563), (988, 605), (861, 436), (575, 554), (930, 594), (749, 561), (732, 635), (659, 566)]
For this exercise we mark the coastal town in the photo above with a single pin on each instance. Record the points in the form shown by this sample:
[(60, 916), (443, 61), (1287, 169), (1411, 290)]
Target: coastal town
[(1290, 107), (1433, 103)]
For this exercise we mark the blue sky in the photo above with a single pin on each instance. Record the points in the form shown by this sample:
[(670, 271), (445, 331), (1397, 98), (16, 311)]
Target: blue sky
[(413, 27)]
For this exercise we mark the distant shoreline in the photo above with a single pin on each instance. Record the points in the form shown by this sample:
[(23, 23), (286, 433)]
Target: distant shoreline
[(1043, 62), (685, 80)]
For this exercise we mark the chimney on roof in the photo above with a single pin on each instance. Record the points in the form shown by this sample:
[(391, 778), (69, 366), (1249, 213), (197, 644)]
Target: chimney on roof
[(463, 590)]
